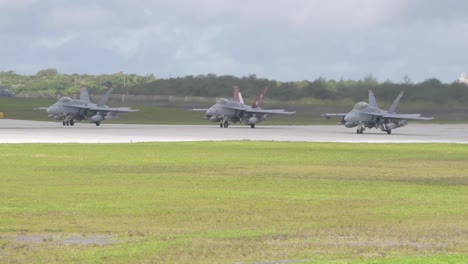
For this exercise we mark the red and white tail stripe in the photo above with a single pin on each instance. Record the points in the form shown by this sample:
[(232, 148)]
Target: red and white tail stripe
[(260, 97)]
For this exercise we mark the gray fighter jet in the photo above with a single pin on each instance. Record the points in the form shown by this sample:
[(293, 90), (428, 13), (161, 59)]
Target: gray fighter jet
[(369, 115), (70, 110), (226, 111)]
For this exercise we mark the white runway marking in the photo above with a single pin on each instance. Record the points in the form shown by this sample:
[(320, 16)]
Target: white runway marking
[(20, 131)]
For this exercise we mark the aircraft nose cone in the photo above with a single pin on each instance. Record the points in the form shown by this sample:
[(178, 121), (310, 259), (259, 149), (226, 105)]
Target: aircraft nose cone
[(346, 117), (50, 110), (53, 109)]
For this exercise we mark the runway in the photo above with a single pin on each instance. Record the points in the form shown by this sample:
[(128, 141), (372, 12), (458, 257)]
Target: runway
[(21, 131)]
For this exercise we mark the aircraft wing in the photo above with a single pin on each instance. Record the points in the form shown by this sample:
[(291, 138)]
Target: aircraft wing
[(41, 108), (199, 109), (398, 116), (330, 115), (270, 111), (113, 109), (406, 116), (261, 111)]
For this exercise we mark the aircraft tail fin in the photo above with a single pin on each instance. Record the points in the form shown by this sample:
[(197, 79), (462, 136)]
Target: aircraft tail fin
[(259, 98), (238, 95), (395, 103), (84, 95), (372, 99), (105, 97)]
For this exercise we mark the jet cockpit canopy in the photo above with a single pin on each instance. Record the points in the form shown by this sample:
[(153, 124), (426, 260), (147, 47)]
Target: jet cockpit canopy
[(64, 99), (360, 106), (222, 101)]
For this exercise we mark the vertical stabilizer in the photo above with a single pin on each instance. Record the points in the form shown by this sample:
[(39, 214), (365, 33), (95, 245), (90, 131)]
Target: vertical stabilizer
[(238, 95), (104, 97), (84, 95), (395, 103), (260, 98), (372, 100)]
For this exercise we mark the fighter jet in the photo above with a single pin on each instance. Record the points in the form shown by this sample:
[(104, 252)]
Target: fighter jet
[(226, 111), (71, 110), (369, 115)]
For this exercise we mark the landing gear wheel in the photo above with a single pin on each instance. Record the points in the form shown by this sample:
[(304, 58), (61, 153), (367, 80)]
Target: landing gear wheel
[(64, 123), (252, 125), (72, 122), (226, 124), (67, 123), (360, 130), (98, 123), (389, 132), (221, 125)]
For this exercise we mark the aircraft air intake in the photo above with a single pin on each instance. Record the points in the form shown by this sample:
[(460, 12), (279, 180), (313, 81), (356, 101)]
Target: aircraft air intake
[(350, 124), (215, 119)]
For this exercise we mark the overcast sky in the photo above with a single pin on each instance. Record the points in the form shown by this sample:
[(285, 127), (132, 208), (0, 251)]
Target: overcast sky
[(283, 40)]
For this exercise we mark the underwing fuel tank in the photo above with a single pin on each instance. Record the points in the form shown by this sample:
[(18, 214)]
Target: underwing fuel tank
[(254, 120), (391, 126), (97, 118)]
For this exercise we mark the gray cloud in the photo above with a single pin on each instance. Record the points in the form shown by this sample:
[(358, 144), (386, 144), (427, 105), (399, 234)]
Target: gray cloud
[(284, 40)]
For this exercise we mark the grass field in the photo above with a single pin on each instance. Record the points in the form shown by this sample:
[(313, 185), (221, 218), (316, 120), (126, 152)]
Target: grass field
[(233, 202)]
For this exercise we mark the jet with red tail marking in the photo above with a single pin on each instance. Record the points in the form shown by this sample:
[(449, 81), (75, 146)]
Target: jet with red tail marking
[(226, 111)]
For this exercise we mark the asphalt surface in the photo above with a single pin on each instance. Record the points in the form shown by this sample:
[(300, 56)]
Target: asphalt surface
[(21, 131)]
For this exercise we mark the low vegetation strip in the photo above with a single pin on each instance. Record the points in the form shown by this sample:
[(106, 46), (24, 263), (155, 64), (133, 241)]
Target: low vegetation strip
[(233, 202)]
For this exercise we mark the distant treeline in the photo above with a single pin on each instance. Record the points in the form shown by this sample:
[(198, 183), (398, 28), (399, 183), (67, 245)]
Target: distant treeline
[(51, 82)]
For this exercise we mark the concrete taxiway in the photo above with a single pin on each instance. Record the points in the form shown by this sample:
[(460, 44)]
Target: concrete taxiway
[(20, 131)]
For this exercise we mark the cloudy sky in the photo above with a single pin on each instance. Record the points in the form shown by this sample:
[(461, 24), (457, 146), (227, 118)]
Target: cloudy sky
[(276, 39)]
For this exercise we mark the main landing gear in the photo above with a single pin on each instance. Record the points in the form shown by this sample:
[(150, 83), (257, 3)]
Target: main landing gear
[(98, 123), (360, 130), (67, 122), (252, 125), (224, 124)]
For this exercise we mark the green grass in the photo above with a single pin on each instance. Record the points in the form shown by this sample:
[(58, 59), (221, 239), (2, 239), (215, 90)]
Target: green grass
[(227, 202)]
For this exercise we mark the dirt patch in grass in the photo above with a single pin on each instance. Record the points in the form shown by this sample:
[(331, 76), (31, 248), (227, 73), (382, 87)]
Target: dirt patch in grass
[(82, 240)]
